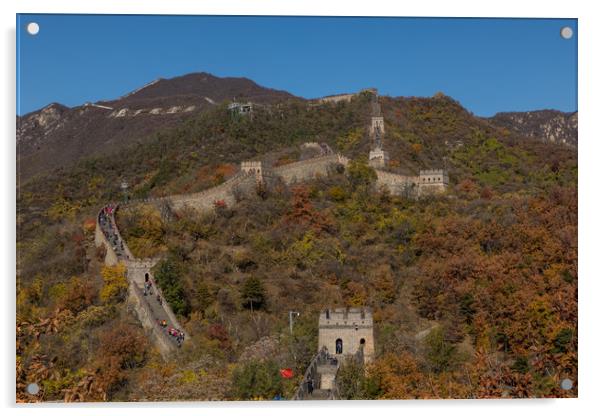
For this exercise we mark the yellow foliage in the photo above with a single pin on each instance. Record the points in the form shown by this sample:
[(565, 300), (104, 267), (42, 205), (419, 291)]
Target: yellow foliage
[(188, 376), (115, 283), (351, 139), (63, 210)]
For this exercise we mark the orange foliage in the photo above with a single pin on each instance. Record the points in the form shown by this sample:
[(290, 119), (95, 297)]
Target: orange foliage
[(304, 214)]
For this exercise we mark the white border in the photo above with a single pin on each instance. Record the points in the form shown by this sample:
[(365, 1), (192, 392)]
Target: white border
[(590, 95)]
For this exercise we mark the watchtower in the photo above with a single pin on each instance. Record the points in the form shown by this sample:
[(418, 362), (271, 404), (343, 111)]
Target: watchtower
[(343, 331), (252, 168), (433, 180), (377, 125), (378, 158), (236, 108)]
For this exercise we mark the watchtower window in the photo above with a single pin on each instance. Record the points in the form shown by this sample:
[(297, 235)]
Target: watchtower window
[(362, 342), (327, 313), (339, 346)]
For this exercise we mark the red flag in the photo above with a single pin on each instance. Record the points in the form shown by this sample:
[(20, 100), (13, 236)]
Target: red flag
[(286, 372)]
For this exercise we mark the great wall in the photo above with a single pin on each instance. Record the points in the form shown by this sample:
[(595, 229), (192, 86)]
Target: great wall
[(351, 328), (147, 308)]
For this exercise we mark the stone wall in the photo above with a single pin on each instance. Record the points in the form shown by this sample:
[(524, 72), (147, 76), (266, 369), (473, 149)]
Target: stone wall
[(135, 270), (101, 240), (138, 304), (336, 98), (397, 184), (306, 169), (205, 200)]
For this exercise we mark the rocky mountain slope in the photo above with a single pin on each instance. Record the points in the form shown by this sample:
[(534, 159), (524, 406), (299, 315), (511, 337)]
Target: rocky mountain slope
[(546, 125), (56, 136)]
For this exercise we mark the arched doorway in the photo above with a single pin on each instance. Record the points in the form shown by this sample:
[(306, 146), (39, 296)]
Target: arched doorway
[(339, 346), (362, 343)]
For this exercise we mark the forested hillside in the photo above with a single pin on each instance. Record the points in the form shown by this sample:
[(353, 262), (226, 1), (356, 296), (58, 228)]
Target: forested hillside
[(474, 292)]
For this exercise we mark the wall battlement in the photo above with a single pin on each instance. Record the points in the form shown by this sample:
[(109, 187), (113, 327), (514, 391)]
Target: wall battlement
[(432, 172)]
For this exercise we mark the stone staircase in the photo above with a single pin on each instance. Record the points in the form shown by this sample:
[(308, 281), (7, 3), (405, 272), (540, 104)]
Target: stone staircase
[(321, 372)]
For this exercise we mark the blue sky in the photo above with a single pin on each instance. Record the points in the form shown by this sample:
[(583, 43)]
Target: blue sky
[(489, 65)]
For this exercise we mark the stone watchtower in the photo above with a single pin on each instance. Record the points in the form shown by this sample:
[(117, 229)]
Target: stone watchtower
[(433, 181), (377, 125), (343, 331), (378, 157), (252, 168)]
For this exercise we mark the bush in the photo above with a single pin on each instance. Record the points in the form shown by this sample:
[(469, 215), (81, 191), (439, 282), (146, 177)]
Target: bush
[(257, 380), (78, 294)]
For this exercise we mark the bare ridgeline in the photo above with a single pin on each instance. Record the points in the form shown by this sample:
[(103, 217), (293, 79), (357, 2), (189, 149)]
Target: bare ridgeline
[(344, 333)]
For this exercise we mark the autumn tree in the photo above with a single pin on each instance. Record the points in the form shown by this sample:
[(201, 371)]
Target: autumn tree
[(115, 283), (360, 174)]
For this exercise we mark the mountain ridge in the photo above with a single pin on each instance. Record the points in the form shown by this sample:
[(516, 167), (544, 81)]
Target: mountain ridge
[(57, 136)]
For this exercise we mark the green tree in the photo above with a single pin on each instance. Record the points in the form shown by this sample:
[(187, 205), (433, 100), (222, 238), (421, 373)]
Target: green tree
[(204, 297), (253, 293), (441, 355), (353, 384), (360, 174), (256, 380), (168, 276)]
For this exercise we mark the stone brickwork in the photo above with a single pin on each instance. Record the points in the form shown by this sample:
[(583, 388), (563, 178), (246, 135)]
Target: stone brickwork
[(377, 123), (398, 184), (306, 169), (378, 158), (252, 168), (205, 200), (433, 181), (336, 98), (428, 182), (350, 329)]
